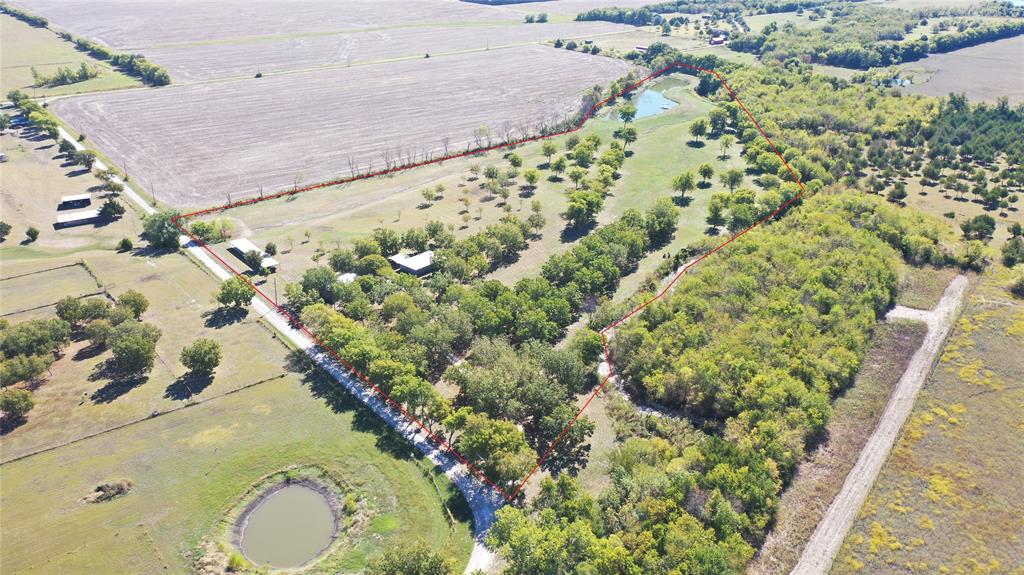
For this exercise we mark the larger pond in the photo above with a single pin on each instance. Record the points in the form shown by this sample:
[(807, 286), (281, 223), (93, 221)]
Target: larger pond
[(289, 528), (651, 102)]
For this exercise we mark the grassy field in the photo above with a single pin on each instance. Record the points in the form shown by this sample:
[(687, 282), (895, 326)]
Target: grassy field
[(854, 416), (757, 22), (35, 291), (948, 500), (189, 467), (25, 47)]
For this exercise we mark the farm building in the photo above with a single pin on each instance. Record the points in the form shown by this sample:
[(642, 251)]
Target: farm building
[(417, 265), (242, 246), (718, 41), (77, 219), (76, 201)]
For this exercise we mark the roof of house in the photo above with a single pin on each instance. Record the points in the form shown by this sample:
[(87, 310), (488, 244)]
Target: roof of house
[(77, 216), (75, 198), (417, 262)]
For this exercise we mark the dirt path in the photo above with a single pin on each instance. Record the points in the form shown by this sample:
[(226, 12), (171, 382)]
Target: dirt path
[(831, 531)]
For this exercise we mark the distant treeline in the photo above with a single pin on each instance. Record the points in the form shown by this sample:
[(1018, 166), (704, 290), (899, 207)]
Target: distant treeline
[(651, 14), (24, 16), (65, 75), (131, 64)]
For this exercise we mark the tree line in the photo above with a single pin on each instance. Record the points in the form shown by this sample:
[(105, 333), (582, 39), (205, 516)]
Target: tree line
[(132, 64)]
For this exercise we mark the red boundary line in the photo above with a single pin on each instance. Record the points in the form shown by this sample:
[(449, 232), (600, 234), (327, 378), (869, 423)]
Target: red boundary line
[(176, 220)]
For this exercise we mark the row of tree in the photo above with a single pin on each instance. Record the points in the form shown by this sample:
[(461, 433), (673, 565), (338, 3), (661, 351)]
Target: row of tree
[(131, 64), (65, 75)]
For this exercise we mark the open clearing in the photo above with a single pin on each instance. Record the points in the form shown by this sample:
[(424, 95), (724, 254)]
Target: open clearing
[(186, 143), (189, 467), (24, 47), (191, 62), (947, 501), (984, 72)]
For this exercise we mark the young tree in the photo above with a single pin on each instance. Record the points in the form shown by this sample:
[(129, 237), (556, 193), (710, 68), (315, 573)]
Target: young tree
[(725, 143), (235, 292), (202, 356), (271, 249), (559, 166), (627, 112), (698, 129), (706, 171), (135, 302), (5, 230), (548, 149), (32, 234), (515, 160), (125, 245), (732, 178), (577, 175), (684, 183), (531, 176), (627, 134)]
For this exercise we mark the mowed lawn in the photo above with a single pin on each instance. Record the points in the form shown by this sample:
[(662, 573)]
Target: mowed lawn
[(25, 47), (189, 467), (949, 499)]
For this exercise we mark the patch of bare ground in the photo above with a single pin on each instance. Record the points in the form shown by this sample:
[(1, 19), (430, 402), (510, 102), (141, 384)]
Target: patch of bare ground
[(820, 477)]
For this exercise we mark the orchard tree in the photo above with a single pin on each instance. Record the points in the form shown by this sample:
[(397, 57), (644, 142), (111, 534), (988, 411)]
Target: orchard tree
[(531, 176), (725, 143), (699, 129), (202, 356), (684, 183), (732, 178), (559, 166), (627, 112), (235, 292), (706, 171), (577, 175), (548, 149)]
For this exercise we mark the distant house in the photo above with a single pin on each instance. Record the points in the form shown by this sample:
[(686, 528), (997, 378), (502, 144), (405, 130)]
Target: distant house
[(347, 278), (242, 246), (77, 219), (76, 201), (640, 49), (718, 41), (417, 265)]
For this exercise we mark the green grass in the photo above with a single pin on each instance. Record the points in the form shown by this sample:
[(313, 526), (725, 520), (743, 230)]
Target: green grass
[(922, 287), (25, 47), (947, 500), (189, 467), (21, 293)]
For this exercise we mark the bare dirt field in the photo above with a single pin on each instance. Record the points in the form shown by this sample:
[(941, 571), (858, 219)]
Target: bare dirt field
[(188, 146), (132, 24), (984, 72), (192, 62)]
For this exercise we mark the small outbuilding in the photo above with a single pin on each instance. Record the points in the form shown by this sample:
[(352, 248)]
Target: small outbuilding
[(242, 246), (417, 265), (77, 219), (73, 202), (347, 278)]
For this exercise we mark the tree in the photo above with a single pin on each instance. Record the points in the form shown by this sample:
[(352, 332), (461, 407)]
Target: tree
[(627, 134), (415, 560), (67, 148), (32, 234), (627, 112), (69, 309), (160, 231), (577, 174), (124, 245), (235, 292), (133, 352), (98, 332), (202, 357), (271, 249), (531, 176), (898, 193), (559, 166), (684, 183), (322, 281), (135, 302), (5, 230), (515, 160), (5, 122), (698, 129), (731, 178), (725, 143), (1013, 252), (111, 209), (15, 404), (497, 447), (979, 227), (548, 149), (583, 208), (84, 158), (706, 171)]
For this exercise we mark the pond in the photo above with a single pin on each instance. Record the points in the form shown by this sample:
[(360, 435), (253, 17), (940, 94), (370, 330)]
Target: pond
[(288, 528), (651, 102)]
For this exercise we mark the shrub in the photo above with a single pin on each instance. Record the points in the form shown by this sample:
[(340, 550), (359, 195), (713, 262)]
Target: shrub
[(32, 234), (237, 563), (124, 245), (1016, 285)]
